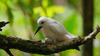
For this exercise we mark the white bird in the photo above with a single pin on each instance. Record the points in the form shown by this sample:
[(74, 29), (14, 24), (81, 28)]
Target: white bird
[(52, 30)]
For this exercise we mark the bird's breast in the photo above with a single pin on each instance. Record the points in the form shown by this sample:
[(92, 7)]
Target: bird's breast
[(52, 35), (48, 33)]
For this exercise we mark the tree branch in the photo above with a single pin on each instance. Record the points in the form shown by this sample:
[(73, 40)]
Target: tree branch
[(2, 24), (10, 42), (42, 48), (8, 51)]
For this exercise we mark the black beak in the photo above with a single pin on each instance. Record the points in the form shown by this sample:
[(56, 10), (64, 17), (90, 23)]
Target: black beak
[(38, 29)]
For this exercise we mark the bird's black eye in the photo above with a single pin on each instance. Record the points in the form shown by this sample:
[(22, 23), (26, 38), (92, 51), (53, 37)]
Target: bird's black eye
[(42, 22)]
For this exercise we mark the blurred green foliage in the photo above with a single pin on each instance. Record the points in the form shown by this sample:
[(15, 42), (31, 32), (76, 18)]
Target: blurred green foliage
[(23, 15)]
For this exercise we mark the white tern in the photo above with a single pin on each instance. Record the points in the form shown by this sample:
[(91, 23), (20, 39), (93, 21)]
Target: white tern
[(53, 30)]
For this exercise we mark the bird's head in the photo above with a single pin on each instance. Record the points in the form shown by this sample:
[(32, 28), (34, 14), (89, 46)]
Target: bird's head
[(42, 22)]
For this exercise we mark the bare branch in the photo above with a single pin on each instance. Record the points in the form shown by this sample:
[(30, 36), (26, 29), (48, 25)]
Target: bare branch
[(2, 24), (8, 51)]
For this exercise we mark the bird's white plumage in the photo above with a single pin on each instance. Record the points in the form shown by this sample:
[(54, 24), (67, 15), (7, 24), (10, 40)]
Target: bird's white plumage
[(54, 30)]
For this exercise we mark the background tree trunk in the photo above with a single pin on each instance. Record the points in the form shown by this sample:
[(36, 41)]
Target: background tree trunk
[(87, 25)]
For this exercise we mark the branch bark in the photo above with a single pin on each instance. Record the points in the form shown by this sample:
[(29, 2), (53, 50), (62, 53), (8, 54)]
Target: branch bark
[(42, 48)]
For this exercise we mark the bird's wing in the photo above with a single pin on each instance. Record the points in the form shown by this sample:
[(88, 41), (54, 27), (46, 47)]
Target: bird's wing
[(58, 28)]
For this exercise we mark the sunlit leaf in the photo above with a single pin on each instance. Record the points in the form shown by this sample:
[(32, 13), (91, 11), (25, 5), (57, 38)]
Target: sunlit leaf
[(50, 10), (2, 5), (58, 9), (45, 3), (37, 10)]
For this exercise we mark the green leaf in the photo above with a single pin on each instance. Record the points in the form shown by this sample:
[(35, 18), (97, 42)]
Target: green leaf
[(68, 52), (1, 52), (41, 36), (71, 23), (35, 3), (10, 15), (50, 2), (25, 6)]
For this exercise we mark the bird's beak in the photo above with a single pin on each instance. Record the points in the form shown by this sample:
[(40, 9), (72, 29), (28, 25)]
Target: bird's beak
[(38, 29)]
